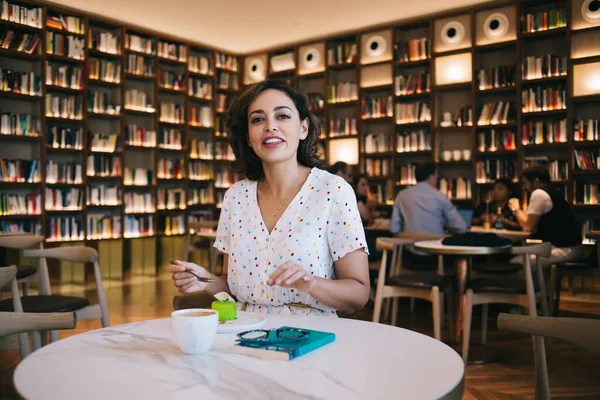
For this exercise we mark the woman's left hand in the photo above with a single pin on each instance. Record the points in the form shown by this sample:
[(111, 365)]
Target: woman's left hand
[(292, 275)]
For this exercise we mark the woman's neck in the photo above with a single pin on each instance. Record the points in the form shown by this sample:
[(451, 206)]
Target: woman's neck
[(281, 178)]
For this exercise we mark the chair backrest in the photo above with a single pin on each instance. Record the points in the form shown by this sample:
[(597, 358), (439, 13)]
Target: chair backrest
[(20, 241), (7, 274), (16, 322), (540, 250), (78, 254), (419, 236), (388, 243), (199, 225)]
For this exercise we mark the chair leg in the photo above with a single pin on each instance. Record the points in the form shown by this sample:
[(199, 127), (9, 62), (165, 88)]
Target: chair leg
[(36, 340), (484, 322), (24, 350), (25, 288), (53, 336), (554, 290), (467, 311), (44, 337), (451, 311), (437, 312), (395, 302), (412, 306), (377, 308), (386, 309)]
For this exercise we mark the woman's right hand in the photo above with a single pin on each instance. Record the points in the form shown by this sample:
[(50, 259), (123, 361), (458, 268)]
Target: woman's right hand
[(184, 280)]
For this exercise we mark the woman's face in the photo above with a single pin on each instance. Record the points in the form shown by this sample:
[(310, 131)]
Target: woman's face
[(274, 127), (362, 187), (500, 192)]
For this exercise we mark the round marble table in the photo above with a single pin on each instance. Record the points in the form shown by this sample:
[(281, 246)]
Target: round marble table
[(141, 360), (515, 236)]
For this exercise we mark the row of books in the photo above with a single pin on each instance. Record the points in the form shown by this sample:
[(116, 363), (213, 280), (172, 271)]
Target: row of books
[(172, 80), (407, 175), (543, 67), (544, 99), (20, 171), (103, 165), (540, 132), (544, 20), (170, 199), (200, 64), (33, 227), (419, 140), (496, 113), (412, 50), (64, 172), (378, 143), (497, 77), (20, 204), (100, 102), (20, 14), (170, 169), (19, 41), (139, 136), (172, 51), (64, 138), (587, 159), (103, 227), (58, 199), (65, 23), (378, 167), (412, 83), (491, 169), (587, 193), (26, 83), (200, 149), (342, 92), (138, 203), (138, 226), (140, 44), (558, 169), (138, 100), (225, 61), (60, 229), (103, 195), (377, 107), (201, 196), (19, 124), (137, 177), (496, 140), (104, 142), (60, 106), (170, 139), (342, 127), (105, 42), (408, 113), (228, 81), (139, 65), (586, 130), (456, 188), (201, 116), (344, 53), (171, 225), (223, 151), (225, 178), (224, 101), (65, 76), (172, 113), (200, 89), (59, 44)]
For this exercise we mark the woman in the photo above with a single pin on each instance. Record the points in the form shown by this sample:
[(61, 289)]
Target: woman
[(366, 205), (502, 191), (291, 233)]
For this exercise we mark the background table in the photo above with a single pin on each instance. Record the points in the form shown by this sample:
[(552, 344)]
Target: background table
[(141, 360), (515, 236)]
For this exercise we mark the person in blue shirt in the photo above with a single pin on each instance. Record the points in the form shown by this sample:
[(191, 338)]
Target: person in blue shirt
[(423, 208)]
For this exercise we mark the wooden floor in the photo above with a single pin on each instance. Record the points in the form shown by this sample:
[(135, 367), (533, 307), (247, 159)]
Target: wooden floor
[(573, 373)]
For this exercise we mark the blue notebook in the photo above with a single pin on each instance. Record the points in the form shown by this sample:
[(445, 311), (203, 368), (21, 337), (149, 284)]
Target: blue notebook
[(286, 351)]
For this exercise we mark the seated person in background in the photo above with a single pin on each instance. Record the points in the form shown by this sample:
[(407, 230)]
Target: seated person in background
[(291, 233), (503, 190), (343, 170), (550, 216), (423, 208), (366, 204)]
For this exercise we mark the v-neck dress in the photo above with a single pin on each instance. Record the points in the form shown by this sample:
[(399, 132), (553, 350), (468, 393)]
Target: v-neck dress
[(320, 225)]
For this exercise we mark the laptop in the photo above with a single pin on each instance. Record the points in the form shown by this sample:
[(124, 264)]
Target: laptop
[(467, 215)]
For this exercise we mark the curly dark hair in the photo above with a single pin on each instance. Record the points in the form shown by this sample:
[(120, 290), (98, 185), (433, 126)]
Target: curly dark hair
[(246, 160)]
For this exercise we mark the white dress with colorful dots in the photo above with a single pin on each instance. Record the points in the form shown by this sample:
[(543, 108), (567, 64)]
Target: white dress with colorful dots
[(320, 225)]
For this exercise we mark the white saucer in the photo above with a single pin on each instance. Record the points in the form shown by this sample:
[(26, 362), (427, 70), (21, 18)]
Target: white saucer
[(245, 321)]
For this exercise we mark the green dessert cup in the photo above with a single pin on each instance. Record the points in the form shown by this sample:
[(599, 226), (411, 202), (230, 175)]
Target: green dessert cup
[(227, 310)]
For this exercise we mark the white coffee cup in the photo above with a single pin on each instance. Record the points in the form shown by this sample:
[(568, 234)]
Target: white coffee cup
[(195, 329), (456, 155), (467, 154), (446, 155)]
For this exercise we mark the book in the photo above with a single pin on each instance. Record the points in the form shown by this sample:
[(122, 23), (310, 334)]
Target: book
[(285, 351)]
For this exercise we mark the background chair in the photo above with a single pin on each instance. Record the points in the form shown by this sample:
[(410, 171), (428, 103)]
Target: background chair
[(199, 230), (26, 274)]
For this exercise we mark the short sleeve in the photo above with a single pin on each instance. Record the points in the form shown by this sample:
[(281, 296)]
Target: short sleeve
[(539, 203), (345, 229), (224, 227)]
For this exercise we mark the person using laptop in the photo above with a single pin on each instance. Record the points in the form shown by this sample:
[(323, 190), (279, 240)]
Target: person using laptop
[(423, 208), (502, 191)]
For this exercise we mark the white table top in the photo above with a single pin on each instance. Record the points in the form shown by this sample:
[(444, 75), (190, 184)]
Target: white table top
[(436, 247), (505, 233), (142, 361)]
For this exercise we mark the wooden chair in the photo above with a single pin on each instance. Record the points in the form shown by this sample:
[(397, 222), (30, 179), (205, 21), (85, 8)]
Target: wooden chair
[(507, 291), (586, 268), (27, 274), (58, 303), (196, 229), (426, 285), (579, 332)]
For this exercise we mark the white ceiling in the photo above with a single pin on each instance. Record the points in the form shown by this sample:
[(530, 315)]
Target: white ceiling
[(243, 26)]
